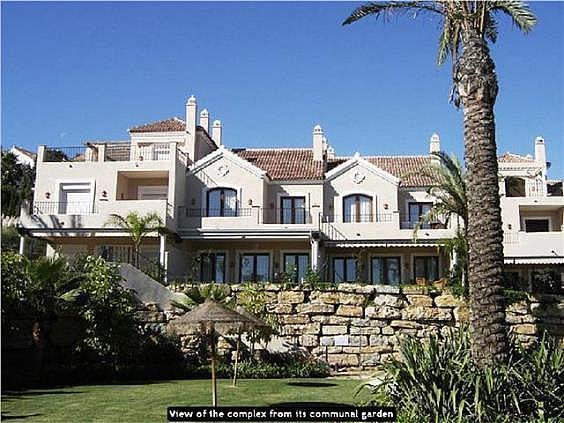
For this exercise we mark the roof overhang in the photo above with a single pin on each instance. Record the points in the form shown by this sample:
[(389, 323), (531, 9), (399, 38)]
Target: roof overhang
[(388, 243), (357, 160), (235, 234), (222, 152), (534, 260)]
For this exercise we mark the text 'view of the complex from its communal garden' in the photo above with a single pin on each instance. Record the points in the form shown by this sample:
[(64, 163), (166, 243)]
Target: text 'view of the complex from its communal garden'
[(218, 276)]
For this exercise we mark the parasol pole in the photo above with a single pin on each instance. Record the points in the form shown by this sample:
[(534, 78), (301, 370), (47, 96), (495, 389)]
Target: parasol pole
[(236, 359), (214, 381)]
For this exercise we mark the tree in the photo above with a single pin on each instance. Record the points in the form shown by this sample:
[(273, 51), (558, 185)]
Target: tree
[(448, 186), (17, 184), (467, 26), (138, 226)]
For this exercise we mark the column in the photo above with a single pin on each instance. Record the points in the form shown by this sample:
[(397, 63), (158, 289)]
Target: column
[(162, 250), (22, 245), (314, 253)]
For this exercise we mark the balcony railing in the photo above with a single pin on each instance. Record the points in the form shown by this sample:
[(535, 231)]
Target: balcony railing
[(286, 216), (70, 154), (64, 207), (407, 222), (123, 152), (358, 218), (215, 212)]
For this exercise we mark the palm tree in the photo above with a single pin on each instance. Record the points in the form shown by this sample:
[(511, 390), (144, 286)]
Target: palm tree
[(467, 26), (448, 186), (138, 226)]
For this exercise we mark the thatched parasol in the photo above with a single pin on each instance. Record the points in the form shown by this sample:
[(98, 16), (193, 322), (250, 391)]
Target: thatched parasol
[(257, 323), (206, 316)]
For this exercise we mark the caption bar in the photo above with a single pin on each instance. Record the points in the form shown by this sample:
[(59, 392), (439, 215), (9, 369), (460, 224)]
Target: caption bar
[(282, 414)]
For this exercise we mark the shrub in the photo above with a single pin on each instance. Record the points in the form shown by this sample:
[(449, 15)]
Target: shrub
[(437, 381)]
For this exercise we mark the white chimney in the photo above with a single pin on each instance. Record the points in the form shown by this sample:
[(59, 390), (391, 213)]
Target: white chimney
[(434, 144), (205, 120), (216, 132), (318, 143), (540, 153), (191, 111)]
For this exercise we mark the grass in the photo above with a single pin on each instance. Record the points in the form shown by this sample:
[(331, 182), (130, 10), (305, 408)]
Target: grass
[(148, 401)]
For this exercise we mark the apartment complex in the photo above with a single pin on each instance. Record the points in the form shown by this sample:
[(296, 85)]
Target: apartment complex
[(256, 214)]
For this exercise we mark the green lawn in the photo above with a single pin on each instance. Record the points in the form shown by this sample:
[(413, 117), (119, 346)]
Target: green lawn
[(148, 402)]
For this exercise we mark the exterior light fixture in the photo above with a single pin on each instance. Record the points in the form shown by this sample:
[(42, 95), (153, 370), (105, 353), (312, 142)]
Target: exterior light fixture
[(250, 201), (47, 195)]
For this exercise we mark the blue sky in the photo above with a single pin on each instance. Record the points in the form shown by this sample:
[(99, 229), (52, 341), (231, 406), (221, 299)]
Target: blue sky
[(270, 71)]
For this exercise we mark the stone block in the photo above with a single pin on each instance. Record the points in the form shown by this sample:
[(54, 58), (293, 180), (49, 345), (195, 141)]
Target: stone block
[(279, 308), (448, 300), (358, 340), (345, 360), (327, 297), (366, 330), (334, 330), (315, 308), (387, 289), (312, 328), (388, 330), (351, 299), (512, 318), (334, 350), (289, 329), (309, 340), (405, 324), (294, 319), (272, 287), (524, 329), (414, 289), (350, 310), (379, 340), (330, 320), (388, 300), (327, 341), (420, 300), (461, 314), (426, 313), (291, 297), (383, 312), (520, 307), (348, 287)]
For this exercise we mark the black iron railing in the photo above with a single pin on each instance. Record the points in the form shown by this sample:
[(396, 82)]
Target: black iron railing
[(288, 216), (409, 222), (218, 212), (126, 254), (70, 154), (64, 207), (358, 218)]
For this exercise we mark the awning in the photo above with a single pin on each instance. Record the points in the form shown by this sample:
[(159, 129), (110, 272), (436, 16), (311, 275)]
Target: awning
[(384, 243), (534, 260)]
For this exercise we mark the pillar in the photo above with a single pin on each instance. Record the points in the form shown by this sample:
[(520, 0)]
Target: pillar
[(314, 254), (22, 245)]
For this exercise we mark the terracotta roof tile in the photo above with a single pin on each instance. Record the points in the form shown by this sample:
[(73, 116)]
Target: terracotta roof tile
[(403, 167), (284, 163), (167, 125), (514, 158)]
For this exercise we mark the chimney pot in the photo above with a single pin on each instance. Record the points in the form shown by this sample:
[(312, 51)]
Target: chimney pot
[(205, 120), (217, 129), (318, 142)]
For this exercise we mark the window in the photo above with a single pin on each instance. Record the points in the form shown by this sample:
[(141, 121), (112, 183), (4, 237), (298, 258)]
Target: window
[(416, 211), (386, 270), (296, 264), (156, 192), (254, 268), (344, 269), (221, 202), (75, 198), (514, 187), (212, 267), (357, 208), (292, 210), (426, 267), (536, 225)]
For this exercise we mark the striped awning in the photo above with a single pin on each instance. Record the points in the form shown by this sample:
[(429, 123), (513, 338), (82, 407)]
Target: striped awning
[(534, 260), (384, 243)]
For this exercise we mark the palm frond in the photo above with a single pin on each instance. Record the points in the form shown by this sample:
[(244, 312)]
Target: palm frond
[(385, 9), (519, 12)]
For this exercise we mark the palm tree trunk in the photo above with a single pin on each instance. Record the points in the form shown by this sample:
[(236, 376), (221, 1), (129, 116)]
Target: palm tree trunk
[(477, 86)]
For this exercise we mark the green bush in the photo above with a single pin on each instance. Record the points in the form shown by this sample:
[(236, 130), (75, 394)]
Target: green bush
[(437, 381), (252, 369)]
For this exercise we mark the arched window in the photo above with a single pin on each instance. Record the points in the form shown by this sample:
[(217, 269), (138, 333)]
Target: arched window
[(357, 208), (221, 202)]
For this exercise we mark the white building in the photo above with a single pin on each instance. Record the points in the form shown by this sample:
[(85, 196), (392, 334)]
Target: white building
[(23, 156), (254, 214)]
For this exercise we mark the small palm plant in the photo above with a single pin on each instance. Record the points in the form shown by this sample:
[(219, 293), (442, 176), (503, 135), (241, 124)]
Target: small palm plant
[(138, 226), (199, 294)]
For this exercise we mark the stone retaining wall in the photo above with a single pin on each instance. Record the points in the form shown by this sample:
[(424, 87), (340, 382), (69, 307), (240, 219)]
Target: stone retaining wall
[(354, 325)]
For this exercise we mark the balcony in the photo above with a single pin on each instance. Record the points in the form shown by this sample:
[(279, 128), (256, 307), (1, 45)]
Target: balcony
[(69, 216), (534, 244), (244, 218), (378, 226), (112, 152)]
